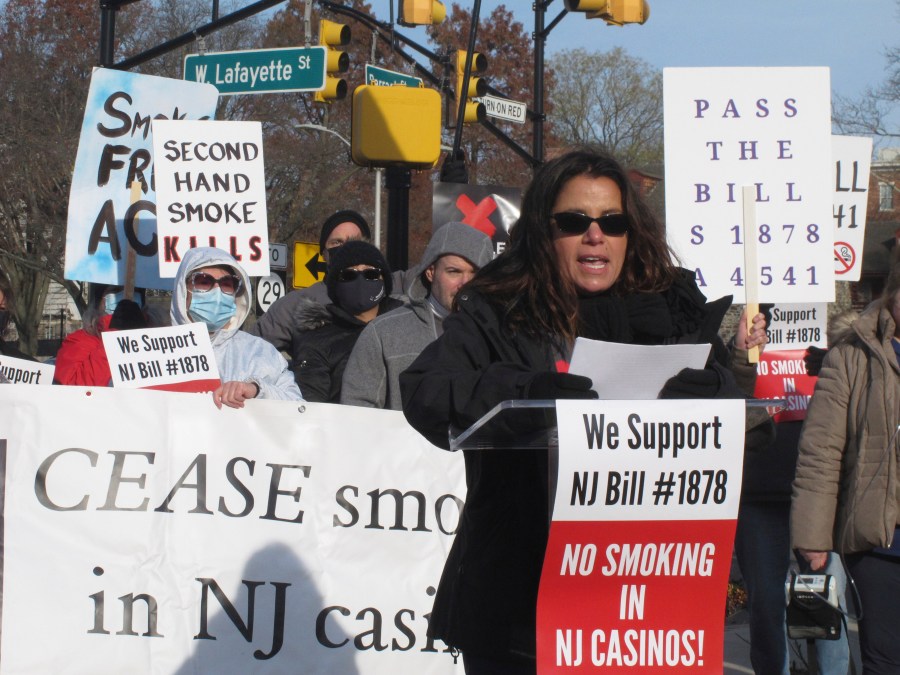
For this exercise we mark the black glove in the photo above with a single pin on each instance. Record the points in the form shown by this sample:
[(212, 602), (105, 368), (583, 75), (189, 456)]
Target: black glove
[(453, 170), (554, 386), (813, 359), (693, 383), (128, 316)]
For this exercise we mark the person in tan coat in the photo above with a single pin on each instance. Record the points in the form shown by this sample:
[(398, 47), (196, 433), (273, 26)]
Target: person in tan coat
[(845, 492)]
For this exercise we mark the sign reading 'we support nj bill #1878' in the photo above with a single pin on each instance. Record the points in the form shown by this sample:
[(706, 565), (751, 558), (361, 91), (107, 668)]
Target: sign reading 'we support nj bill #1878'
[(259, 71)]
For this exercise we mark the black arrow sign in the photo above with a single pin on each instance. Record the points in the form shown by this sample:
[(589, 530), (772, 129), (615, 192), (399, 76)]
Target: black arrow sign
[(316, 268)]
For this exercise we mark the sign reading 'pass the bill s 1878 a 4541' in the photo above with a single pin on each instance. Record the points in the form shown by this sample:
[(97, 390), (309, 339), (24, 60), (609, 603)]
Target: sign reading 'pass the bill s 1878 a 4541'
[(768, 130)]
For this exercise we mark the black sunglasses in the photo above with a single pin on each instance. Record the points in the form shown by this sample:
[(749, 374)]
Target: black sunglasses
[(351, 274), (201, 282), (612, 224)]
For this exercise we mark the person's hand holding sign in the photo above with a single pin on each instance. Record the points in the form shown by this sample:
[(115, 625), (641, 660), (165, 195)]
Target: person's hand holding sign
[(754, 336), (233, 394)]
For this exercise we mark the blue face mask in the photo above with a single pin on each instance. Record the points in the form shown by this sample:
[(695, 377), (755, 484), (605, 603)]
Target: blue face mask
[(214, 308), (112, 300)]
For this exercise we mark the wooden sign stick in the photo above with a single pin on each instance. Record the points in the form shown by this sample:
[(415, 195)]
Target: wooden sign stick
[(130, 255), (751, 266)]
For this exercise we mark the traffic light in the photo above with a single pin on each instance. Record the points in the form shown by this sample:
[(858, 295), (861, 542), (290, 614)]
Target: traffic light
[(332, 35), (614, 12), (395, 126), (474, 111), (421, 12)]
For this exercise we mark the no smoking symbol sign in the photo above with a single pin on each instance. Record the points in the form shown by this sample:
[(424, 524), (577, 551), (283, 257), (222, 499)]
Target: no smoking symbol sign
[(844, 257)]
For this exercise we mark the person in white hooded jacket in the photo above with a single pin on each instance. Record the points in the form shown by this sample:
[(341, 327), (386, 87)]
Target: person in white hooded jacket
[(212, 288)]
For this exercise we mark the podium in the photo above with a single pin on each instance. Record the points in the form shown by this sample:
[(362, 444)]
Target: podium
[(633, 521)]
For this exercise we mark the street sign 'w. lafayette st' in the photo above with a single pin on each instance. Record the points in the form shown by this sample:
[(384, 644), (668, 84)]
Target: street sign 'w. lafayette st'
[(260, 71)]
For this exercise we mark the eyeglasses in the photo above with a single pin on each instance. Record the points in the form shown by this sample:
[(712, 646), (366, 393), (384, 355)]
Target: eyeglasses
[(611, 224), (351, 274), (201, 282)]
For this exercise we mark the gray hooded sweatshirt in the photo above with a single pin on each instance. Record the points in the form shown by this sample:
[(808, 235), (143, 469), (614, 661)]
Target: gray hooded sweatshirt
[(391, 342), (239, 355)]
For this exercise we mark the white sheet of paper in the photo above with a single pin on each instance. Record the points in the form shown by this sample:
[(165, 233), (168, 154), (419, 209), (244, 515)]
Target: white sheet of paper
[(626, 372)]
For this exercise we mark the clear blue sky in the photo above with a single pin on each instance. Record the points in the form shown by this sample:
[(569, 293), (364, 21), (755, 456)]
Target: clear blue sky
[(849, 36)]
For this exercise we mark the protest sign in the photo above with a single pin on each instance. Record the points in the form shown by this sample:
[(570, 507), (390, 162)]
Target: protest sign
[(172, 358), (490, 209), (114, 150), (23, 371), (797, 325), (782, 375), (640, 544), (766, 128), (851, 159), (211, 191), (149, 532)]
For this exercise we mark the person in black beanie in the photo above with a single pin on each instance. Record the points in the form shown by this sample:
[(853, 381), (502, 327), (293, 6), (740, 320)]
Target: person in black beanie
[(341, 227), (277, 324), (359, 286)]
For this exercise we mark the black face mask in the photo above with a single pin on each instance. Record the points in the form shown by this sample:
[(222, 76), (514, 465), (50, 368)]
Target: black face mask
[(4, 321), (359, 295)]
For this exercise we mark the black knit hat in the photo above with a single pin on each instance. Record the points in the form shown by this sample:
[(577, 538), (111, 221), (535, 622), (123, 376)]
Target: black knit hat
[(339, 217), (351, 254)]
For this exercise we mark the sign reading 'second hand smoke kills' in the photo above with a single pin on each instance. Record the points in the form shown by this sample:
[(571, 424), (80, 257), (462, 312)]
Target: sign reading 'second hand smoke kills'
[(115, 150), (211, 191), (768, 129), (639, 551)]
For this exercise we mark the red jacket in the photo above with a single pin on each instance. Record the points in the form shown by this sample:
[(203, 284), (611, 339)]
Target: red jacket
[(81, 359)]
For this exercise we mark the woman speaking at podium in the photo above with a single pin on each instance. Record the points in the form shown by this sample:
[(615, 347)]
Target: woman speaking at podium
[(587, 258)]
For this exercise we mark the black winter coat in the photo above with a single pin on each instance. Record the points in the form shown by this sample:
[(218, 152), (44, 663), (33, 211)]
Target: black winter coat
[(487, 598), (321, 341), (488, 592)]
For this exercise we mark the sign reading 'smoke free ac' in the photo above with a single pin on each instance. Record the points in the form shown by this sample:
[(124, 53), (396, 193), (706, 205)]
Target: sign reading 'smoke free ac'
[(106, 216)]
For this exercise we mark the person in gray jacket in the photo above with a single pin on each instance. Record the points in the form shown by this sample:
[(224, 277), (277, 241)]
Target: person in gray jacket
[(212, 288), (391, 342)]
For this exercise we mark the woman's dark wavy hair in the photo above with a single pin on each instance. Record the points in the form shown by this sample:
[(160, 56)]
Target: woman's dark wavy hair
[(525, 283)]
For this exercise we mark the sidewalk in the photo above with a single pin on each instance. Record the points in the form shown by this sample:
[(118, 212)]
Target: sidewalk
[(737, 648)]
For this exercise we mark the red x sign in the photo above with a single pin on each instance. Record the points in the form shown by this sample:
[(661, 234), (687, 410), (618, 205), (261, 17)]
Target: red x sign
[(478, 215)]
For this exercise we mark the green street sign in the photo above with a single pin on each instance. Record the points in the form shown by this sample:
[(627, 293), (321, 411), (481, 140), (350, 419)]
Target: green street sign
[(259, 71), (387, 78)]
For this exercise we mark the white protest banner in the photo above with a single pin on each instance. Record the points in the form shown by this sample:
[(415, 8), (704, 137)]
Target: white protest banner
[(767, 128), (851, 158), (149, 532), (23, 371), (115, 150), (172, 358), (797, 326), (639, 553), (211, 191)]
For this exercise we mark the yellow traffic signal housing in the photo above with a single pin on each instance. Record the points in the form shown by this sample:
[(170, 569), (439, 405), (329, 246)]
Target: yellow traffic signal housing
[(474, 111), (395, 126), (614, 12), (332, 35), (421, 12)]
